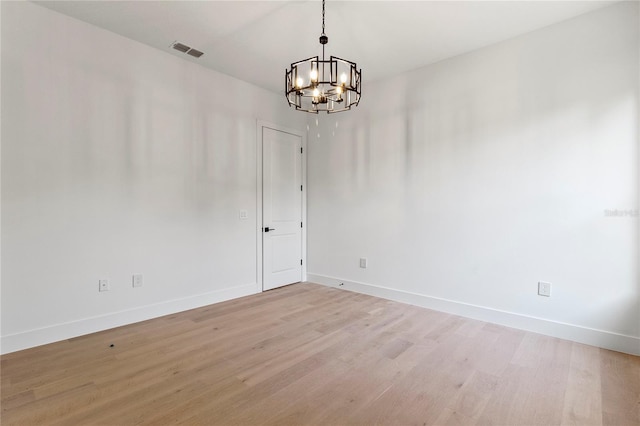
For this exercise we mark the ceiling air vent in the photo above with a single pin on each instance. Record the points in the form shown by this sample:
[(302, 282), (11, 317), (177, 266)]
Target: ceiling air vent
[(181, 47), (195, 53), (186, 49)]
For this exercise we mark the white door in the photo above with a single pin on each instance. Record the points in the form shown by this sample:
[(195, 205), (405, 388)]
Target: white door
[(281, 208)]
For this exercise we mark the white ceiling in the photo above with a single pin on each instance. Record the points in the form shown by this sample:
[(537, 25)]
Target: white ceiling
[(256, 40)]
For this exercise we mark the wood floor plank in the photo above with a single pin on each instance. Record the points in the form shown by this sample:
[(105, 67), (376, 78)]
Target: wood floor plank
[(583, 395), (497, 357), (620, 377), (547, 388), (507, 402), (309, 354)]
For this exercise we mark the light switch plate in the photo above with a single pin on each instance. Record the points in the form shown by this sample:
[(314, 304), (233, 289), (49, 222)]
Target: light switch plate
[(137, 280), (544, 289)]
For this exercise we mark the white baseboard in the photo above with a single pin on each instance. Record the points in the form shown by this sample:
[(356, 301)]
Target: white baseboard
[(589, 336), (58, 332)]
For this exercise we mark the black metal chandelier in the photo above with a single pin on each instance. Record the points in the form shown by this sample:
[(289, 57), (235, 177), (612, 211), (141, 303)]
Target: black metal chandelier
[(314, 84)]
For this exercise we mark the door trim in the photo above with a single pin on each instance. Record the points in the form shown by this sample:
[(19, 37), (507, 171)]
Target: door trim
[(259, 225)]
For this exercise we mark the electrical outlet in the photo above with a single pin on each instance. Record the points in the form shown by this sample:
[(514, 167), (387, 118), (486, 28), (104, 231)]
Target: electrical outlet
[(137, 280), (103, 285), (363, 262), (544, 289), (243, 214)]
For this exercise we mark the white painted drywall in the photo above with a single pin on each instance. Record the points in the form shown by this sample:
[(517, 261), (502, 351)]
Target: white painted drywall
[(117, 159), (462, 183), (472, 179)]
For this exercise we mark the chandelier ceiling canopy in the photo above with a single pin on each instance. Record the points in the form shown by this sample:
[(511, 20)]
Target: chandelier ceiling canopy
[(330, 85)]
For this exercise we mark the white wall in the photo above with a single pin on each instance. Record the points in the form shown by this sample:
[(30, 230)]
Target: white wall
[(118, 159), (466, 182), (463, 183)]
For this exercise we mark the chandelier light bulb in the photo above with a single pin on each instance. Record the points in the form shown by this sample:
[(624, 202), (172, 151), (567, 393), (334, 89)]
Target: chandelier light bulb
[(316, 92), (343, 78), (299, 82), (314, 75)]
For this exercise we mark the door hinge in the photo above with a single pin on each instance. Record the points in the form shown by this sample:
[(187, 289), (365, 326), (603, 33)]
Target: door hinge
[(300, 187), (301, 261), (300, 224), (300, 150)]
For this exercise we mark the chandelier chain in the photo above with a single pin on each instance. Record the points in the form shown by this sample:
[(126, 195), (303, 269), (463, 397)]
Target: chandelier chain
[(322, 17)]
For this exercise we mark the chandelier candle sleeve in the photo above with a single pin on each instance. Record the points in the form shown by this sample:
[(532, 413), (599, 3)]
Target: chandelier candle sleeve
[(330, 85)]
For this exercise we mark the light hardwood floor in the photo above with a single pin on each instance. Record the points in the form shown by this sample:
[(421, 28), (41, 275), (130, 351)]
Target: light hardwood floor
[(308, 354)]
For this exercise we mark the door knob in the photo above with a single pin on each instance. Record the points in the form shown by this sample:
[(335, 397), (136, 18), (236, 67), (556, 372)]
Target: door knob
[(267, 229)]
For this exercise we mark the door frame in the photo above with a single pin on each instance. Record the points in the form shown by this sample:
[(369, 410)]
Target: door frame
[(260, 124)]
